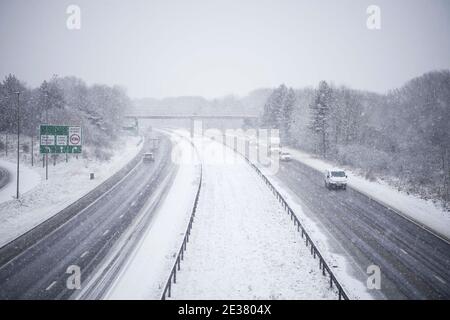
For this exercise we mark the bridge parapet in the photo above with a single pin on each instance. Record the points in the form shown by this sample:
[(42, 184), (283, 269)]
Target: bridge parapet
[(191, 117)]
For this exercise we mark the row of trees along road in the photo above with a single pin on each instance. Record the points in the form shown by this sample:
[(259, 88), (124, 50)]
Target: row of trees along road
[(402, 136), (98, 109)]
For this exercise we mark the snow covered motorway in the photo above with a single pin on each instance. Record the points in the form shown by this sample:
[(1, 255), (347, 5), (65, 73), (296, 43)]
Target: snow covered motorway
[(414, 263), (35, 265), (357, 233), (125, 236)]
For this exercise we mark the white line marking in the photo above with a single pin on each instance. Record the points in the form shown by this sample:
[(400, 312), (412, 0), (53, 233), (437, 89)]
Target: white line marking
[(403, 251), (50, 286), (84, 254), (405, 216), (106, 232), (440, 279)]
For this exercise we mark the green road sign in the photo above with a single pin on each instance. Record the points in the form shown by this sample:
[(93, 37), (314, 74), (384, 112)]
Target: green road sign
[(60, 139)]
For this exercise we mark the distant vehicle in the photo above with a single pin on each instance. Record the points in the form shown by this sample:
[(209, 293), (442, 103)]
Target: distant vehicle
[(285, 156), (275, 150), (335, 178), (148, 157)]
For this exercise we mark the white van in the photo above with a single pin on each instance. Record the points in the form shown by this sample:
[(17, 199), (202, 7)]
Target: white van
[(335, 178)]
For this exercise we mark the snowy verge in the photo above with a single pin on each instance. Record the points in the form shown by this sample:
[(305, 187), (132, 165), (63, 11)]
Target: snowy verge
[(28, 180), (422, 212), (67, 183)]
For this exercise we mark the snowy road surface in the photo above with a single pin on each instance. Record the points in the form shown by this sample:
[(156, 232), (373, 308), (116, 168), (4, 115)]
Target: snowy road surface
[(39, 272), (426, 213), (414, 263), (41, 199), (145, 274), (243, 245)]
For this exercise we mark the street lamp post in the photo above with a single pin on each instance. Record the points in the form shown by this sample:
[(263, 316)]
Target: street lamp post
[(32, 149), (18, 140), (46, 121)]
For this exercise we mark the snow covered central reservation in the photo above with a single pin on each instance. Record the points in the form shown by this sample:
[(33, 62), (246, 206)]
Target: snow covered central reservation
[(243, 245)]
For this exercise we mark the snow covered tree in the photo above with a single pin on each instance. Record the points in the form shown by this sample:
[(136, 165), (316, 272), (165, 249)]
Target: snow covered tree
[(320, 114), (278, 110), (345, 116), (8, 105), (299, 124), (8, 101), (272, 109), (423, 126), (50, 97), (402, 136), (99, 109), (287, 110)]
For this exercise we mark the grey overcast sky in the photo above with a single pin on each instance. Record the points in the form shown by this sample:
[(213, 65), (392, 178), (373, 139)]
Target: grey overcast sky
[(159, 48)]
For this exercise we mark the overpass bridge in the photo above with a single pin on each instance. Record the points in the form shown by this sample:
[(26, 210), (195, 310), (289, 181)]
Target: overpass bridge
[(191, 117)]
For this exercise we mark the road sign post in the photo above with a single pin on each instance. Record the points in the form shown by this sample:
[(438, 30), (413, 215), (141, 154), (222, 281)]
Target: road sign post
[(59, 139)]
